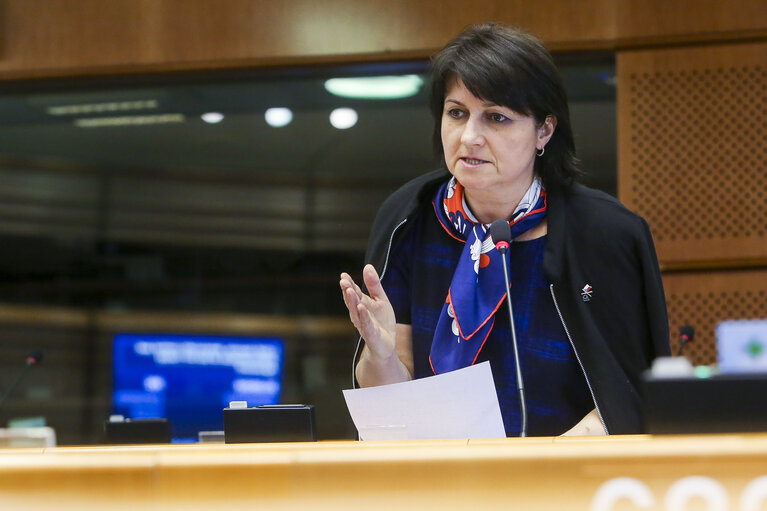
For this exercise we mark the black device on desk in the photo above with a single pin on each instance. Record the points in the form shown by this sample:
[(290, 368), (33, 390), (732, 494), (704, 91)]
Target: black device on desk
[(269, 423), (120, 430), (722, 403), (728, 398)]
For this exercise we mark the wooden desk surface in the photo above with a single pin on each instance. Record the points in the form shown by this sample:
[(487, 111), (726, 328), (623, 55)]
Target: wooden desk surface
[(590, 473)]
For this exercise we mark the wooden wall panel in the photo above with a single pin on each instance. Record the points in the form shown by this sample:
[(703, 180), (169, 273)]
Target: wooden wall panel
[(69, 37), (704, 299), (648, 22), (76, 37), (3, 32), (691, 151), (68, 33)]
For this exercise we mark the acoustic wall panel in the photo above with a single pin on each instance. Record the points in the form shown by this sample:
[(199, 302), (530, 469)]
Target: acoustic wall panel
[(703, 299), (692, 153)]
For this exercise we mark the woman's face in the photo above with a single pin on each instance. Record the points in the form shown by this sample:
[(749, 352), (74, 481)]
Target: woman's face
[(489, 148)]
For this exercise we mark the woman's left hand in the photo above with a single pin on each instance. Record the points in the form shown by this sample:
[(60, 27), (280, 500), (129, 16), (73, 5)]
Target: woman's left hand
[(590, 425)]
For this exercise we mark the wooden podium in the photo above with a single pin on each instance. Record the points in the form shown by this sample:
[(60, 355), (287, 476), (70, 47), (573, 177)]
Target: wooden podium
[(589, 473)]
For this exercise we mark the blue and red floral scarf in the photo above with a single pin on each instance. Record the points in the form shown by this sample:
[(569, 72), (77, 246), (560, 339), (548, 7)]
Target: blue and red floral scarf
[(477, 289)]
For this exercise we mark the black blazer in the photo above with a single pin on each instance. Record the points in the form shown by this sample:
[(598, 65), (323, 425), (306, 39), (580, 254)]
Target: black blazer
[(593, 240)]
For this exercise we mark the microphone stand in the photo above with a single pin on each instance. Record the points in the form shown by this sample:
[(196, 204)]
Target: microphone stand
[(15, 384), (520, 384), (33, 358)]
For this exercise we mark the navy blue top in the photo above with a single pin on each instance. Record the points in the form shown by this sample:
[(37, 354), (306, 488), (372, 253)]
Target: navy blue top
[(417, 279)]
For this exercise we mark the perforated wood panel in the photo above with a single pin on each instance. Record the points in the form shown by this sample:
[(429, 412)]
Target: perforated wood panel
[(704, 299), (692, 150)]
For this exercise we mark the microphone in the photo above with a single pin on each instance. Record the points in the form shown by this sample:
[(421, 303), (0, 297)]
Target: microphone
[(500, 233), (686, 334), (33, 358)]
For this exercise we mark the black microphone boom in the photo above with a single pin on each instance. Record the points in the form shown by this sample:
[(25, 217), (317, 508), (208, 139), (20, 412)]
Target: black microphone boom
[(33, 358), (500, 232), (686, 334)]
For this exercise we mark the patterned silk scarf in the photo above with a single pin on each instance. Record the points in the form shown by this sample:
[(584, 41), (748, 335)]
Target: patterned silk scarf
[(477, 289)]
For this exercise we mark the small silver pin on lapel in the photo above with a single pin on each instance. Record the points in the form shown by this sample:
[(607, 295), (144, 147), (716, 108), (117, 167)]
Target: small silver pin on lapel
[(586, 293)]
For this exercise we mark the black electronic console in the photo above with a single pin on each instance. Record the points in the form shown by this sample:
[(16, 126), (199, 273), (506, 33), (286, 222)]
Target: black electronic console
[(268, 423), (137, 431), (716, 403)]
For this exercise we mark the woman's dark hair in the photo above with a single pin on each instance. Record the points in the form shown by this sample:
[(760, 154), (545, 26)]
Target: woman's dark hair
[(514, 69)]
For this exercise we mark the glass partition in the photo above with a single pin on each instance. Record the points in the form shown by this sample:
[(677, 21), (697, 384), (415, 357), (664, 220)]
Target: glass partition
[(217, 204)]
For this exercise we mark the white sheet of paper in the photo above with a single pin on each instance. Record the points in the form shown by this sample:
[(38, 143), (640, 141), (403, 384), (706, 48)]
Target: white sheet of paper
[(458, 404)]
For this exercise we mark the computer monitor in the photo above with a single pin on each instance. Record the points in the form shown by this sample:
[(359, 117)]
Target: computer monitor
[(190, 379)]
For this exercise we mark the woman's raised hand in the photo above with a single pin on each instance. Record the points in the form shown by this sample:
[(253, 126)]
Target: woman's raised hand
[(372, 314)]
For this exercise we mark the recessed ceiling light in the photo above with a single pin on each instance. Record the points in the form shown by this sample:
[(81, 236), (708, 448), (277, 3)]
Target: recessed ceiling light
[(97, 108), (375, 87), (212, 117), (343, 118), (278, 117), (128, 120)]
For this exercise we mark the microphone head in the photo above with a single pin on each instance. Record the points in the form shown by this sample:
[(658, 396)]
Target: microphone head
[(34, 357), (687, 333), (500, 232)]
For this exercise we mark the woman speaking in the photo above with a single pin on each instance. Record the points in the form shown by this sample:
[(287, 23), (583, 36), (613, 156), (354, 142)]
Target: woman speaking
[(589, 311)]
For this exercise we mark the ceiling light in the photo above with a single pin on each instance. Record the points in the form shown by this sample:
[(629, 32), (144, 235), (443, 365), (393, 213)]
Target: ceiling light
[(343, 118), (128, 120), (278, 117), (212, 117), (375, 87), (96, 108)]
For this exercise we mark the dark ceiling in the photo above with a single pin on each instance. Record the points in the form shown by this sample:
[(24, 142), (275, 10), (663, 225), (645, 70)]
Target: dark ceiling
[(390, 142)]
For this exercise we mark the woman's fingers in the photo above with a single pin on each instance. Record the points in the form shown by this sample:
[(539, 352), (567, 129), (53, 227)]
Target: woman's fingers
[(356, 302), (372, 314), (373, 283), (351, 292), (364, 322), (347, 282), (363, 318), (370, 329), (346, 286)]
